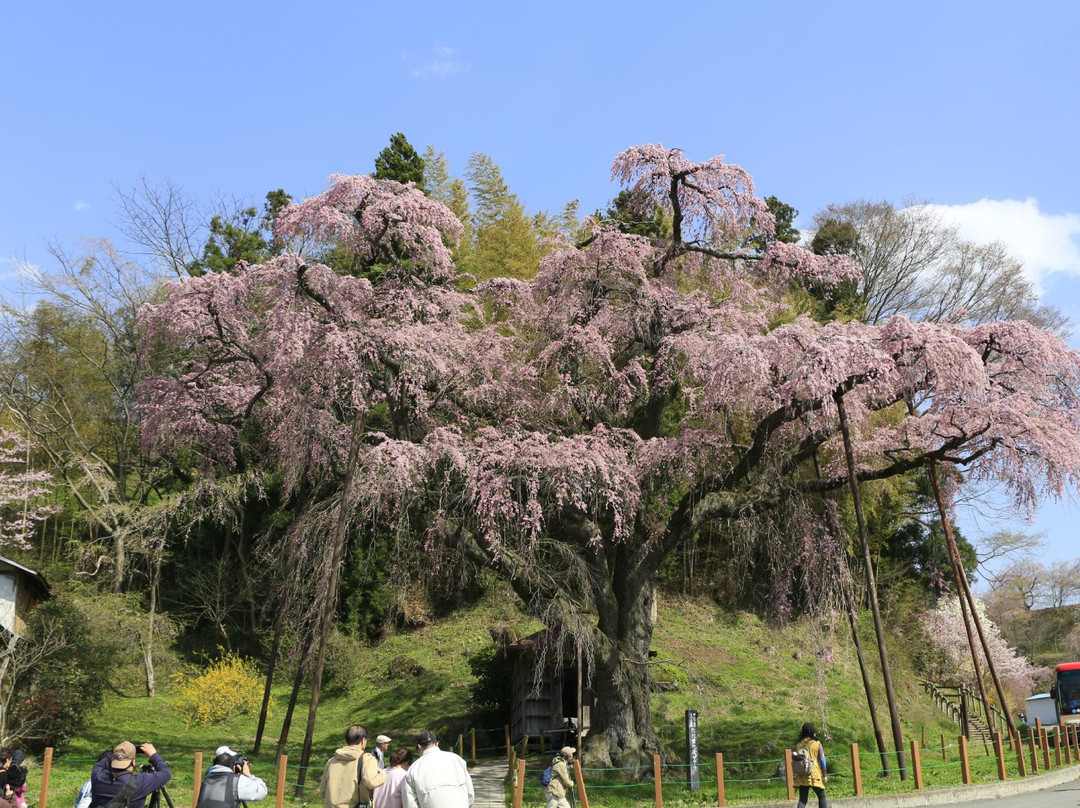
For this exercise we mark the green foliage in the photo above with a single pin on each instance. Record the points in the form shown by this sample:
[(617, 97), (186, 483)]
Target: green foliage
[(399, 161), (489, 693), (342, 651), (65, 679), (784, 225), (835, 237), (505, 240), (229, 686), (633, 214), (244, 236)]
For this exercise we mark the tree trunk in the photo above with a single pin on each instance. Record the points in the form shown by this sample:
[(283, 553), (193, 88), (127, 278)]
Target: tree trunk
[(871, 588), (265, 708), (329, 605), (148, 642), (622, 731), (120, 559)]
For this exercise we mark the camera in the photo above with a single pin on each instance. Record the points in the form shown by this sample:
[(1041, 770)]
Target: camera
[(238, 763)]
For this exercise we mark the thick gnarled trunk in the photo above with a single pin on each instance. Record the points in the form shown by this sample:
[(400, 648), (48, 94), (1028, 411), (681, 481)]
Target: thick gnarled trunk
[(622, 731)]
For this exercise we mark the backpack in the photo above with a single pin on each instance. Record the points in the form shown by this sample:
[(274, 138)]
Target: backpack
[(85, 795), (545, 777), (124, 795), (16, 775), (802, 762)]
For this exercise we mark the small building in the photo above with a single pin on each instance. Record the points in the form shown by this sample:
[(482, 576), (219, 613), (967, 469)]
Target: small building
[(21, 589), (561, 695)]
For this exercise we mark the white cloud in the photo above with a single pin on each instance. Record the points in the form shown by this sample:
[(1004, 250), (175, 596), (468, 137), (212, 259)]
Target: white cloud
[(1046, 243), (80, 206), (443, 63)]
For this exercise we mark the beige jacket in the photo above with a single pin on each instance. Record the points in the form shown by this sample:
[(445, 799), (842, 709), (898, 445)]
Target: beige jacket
[(340, 787), (560, 777)]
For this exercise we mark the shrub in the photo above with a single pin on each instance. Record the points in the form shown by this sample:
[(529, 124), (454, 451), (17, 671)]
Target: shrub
[(59, 673), (227, 687)]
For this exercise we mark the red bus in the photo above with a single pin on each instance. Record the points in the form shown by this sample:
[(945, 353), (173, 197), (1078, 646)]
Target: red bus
[(1065, 691)]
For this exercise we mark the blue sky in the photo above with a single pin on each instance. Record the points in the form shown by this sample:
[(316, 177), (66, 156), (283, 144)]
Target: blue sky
[(970, 105)]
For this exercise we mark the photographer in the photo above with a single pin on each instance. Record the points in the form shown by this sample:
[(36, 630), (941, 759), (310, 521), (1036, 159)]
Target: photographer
[(112, 773), (230, 781)]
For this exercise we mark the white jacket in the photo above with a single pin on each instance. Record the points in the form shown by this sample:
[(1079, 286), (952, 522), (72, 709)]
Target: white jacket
[(438, 779)]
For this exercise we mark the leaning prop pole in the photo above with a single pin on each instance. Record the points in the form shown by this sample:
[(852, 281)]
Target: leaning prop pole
[(965, 593), (330, 604), (834, 528), (871, 586)]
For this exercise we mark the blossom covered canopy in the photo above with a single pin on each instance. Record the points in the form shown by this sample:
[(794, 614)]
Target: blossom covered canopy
[(515, 403)]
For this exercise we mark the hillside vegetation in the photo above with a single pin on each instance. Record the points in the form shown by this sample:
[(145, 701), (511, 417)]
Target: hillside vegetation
[(752, 683)]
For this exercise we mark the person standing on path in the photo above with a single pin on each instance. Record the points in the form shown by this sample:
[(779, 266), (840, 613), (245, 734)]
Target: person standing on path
[(817, 778), (382, 743), (388, 795), (437, 779), (561, 782), (352, 774)]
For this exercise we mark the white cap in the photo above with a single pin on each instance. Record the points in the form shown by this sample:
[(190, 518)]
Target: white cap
[(224, 750), (381, 739)]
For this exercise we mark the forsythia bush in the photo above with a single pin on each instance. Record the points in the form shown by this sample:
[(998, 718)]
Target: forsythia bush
[(224, 688)]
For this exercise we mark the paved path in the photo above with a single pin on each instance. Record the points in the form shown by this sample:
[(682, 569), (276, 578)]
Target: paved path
[(489, 780)]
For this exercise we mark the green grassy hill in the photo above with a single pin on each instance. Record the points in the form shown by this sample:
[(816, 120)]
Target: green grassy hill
[(752, 683)]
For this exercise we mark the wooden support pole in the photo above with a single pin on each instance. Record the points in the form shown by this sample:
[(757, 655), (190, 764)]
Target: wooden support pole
[(460, 745), (657, 785), (1021, 764), (787, 775), (282, 777), (583, 796), (999, 753), (944, 755), (519, 784), (965, 763), (1063, 737), (916, 764), (197, 781), (472, 744), (1034, 749), (720, 797), (1057, 746), (1045, 743), (525, 746), (856, 771), (46, 771), (508, 742), (1039, 731)]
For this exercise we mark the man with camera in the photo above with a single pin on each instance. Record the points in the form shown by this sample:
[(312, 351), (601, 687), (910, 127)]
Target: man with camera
[(229, 782), (114, 776)]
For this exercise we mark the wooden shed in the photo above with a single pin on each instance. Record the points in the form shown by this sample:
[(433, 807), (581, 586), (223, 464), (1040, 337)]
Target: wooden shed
[(560, 695), (21, 589)]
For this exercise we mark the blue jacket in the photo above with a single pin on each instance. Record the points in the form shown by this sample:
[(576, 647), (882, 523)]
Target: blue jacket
[(103, 786)]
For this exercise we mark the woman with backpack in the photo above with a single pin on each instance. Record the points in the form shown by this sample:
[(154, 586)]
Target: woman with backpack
[(808, 766), (16, 777)]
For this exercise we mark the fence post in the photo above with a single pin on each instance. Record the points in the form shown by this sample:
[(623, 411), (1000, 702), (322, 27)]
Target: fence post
[(461, 745), (1034, 752), (999, 752), (965, 763), (472, 743), (282, 776), (1021, 764), (519, 785), (46, 771), (856, 771), (656, 781), (720, 799), (1076, 741), (916, 763), (582, 794), (1063, 735), (525, 746), (1045, 743), (1057, 745), (944, 756), (197, 780), (508, 742), (787, 775)]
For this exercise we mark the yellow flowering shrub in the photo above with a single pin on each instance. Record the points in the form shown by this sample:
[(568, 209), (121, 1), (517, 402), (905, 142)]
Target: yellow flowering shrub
[(222, 689)]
